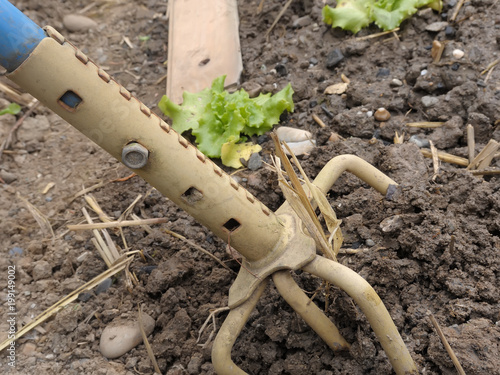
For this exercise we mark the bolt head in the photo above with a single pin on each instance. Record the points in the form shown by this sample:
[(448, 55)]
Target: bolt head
[(135, 155)]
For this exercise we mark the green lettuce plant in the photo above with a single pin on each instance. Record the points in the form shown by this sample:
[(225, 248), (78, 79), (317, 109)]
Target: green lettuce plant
[(353, 15), (216, 117), (12, 108)]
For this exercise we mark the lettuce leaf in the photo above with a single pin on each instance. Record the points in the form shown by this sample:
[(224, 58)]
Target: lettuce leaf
[(216, 116), (12, 108), (353, 15)]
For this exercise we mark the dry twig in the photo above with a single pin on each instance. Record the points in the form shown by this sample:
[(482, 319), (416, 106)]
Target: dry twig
[(444, 156), (118, 224), (484, 158), (377, 34), (146, 343), (446, 345), (66, 301), (283, 10), (425, 124), (471, 143), (457, 9), (6, 143), (318, 120)]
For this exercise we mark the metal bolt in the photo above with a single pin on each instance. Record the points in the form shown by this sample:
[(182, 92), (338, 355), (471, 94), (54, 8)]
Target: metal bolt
[(135, 155)]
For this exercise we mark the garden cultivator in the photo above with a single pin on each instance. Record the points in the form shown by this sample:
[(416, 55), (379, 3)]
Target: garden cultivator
[(64, 79)]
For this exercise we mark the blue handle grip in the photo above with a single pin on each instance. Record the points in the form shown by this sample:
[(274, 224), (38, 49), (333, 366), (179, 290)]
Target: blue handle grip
[(18, 36)]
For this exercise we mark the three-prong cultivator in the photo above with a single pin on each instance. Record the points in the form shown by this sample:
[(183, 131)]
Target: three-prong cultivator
[(68, 82)]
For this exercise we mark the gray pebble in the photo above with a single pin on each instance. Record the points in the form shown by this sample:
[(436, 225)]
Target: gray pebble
[(429, 101), (255, 161), (302, 22), (436, 26), (370, 242), (391, 224), (103, 286), (422, 143), (383, 72), (334, 58), (16, 250), (8, 177)]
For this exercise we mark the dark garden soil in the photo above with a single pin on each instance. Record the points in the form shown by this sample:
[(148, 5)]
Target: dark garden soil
[(433, 247)]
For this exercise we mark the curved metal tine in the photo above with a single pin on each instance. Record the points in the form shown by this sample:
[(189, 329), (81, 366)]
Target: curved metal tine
[(371, 304), (355, 165), (312, 314), (229, 331)]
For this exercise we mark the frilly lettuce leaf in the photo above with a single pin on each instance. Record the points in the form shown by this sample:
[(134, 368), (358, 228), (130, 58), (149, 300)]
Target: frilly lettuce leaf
[(350, 15), (216, 116), (353, 15)]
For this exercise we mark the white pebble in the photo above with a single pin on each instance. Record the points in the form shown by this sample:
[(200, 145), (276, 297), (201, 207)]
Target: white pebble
[(458, 53), (300, 141), (301, 148), (121, 336), (288, 134)]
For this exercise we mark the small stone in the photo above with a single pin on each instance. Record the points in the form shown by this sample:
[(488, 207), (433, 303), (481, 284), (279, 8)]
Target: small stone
[(281, 70), (436, 26), (313, 61), (422, 143), (449, 31), (255, 161), (302, 22), (458, 53), (334, 58), (302, 147), (383, 72), (391, 224), (370, 242), (121, 336), (252, 88), (289, 135), (78, 23), (7, 176), (429, 101), (382, 114), (103, 286), (304, 64), (336, 88), (42, 270), (334, 137), (396, 83), (16, 250)]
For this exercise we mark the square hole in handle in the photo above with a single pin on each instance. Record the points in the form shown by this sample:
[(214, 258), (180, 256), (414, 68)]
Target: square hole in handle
[(70, 100), (231, 225), (192, 195)]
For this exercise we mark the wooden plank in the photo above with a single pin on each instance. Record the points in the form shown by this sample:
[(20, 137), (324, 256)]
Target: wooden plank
[(203, 44)]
